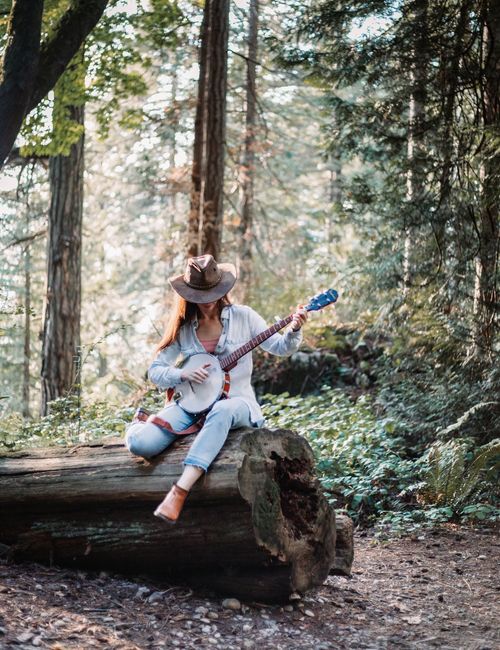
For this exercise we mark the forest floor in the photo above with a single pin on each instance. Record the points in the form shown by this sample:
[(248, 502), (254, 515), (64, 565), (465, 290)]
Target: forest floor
[(436, 589)]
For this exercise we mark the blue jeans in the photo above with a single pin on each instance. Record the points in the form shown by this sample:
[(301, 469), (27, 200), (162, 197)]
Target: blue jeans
[(147, 439)]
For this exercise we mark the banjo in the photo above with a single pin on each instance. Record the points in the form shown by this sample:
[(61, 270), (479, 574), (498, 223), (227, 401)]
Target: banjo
[(199, 398)]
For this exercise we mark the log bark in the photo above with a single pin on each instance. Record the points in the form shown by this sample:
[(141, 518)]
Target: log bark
[(256, 526)]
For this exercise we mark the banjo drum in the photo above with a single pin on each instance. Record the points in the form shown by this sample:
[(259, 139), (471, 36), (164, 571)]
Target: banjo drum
[(199, 398)]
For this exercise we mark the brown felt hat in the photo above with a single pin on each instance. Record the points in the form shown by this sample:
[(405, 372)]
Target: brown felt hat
[(204, 280)]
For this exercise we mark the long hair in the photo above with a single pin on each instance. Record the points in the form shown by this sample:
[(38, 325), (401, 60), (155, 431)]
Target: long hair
[(184, 312)]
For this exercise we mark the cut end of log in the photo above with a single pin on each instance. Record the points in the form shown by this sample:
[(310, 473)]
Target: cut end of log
[(292, 520)]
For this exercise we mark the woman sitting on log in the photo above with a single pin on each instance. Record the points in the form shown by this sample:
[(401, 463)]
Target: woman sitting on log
[(204, 320)]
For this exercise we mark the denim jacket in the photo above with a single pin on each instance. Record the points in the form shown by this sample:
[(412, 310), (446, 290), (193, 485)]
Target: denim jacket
[(239, 324)]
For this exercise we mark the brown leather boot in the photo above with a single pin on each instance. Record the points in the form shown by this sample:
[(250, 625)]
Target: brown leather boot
[(171, 506)]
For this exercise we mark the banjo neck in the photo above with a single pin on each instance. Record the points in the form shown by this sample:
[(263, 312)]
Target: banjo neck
[(229, 361)]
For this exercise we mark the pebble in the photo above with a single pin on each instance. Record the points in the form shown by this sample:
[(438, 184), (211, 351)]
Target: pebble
[(3, 630), (294, 596), (213, 615), (482, 557), (25, 637), (247, 627), (156, 596), (202, 611), (142, 592), (231, 603), (36, 641), (288, 608), (309, 612), (248, 644)]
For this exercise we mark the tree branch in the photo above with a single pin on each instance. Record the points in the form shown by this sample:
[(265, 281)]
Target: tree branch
[(18, 68), (29, 71), (67, 38)]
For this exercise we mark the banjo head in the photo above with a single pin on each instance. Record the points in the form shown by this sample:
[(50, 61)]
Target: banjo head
[(196, 398)]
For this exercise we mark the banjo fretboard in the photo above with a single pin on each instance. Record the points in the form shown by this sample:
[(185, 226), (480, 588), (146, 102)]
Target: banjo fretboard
[(230, 360)]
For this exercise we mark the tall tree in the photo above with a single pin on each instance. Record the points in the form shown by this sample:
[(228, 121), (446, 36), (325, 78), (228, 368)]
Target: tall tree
[(61, 332), (416, 131), (486, 298), (206, 210), (247, 169), (30, 68)]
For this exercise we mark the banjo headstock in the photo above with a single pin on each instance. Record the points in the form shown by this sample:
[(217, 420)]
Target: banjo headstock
[(322, 300)]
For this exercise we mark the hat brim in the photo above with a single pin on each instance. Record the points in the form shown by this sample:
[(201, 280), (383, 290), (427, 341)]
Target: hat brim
[(202, 296)]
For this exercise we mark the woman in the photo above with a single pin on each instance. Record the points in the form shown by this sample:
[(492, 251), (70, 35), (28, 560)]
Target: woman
[(205, 321)]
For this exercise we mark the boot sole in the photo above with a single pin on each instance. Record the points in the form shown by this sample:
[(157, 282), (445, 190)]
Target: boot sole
[(166, 519)]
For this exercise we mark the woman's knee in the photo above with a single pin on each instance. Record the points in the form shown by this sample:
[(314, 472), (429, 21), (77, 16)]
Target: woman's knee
[(135, 445), (139, 442), (222, 408), (234, 410)]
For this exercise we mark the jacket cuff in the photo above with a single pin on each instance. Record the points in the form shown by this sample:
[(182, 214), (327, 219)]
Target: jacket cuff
[(165, 378)]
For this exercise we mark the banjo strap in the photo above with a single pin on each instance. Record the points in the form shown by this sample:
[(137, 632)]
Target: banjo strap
[(163, 424)]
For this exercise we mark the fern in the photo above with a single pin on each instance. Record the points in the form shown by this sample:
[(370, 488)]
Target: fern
[(452, 479)]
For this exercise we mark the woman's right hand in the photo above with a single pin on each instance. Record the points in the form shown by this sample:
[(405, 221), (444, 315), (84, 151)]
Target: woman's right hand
[(197, 375)]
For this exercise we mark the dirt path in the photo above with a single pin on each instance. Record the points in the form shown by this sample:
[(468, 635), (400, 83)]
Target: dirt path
[(437, 590)]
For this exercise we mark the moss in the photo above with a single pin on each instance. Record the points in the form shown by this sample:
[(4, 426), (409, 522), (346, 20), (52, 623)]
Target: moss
[(267, 514)]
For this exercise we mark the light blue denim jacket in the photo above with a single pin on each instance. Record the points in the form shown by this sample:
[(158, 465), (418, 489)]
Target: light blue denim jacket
[(239, 324)]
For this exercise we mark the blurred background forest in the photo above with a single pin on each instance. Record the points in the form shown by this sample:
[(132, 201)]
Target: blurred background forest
[(349, 144)]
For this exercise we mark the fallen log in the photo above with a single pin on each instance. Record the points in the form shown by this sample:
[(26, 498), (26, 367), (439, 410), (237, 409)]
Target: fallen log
[(256, 526)]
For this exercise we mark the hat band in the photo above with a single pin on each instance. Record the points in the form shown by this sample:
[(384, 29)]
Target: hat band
[(211, 285)]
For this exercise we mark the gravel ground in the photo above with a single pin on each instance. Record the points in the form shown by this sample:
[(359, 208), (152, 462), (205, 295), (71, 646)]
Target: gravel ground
[(436, 590)]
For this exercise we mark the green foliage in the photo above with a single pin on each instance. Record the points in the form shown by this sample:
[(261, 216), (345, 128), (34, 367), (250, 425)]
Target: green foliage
[(109, 69), (364, 465), (359, 458), (455, 474), (69, 422)]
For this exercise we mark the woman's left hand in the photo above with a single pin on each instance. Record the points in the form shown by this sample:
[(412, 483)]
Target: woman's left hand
[(299, 318)]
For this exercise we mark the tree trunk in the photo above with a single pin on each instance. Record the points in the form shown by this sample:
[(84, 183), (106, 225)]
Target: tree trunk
[(451, 245), (247, 169), (206, 216), (486, 290), (334, 198), (255, 526), (415, 145), (61, 333), (27, 326)]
